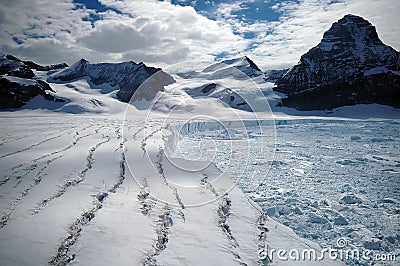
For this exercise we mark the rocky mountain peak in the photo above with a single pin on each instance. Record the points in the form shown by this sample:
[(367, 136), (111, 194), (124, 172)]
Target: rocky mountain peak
[(350, 65), (241, 68), (80, 63), (350, 28), (355, 36), (252, 64)]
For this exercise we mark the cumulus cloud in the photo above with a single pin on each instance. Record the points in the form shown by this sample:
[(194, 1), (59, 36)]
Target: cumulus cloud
[(150, 31), (174, 33), (116, 37), (45, 29), (160, 33)]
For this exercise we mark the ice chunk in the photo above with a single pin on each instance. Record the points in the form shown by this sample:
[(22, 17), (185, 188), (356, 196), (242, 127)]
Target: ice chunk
[(340, 221), (314, 218), (373, 244), (350, 199), (272, 212), (297, 210)]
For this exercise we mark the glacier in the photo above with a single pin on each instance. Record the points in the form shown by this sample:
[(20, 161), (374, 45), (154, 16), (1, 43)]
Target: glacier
[(185, 180)]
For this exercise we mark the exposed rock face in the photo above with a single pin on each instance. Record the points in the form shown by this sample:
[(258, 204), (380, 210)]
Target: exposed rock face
[(15, 68), (128, 76), (349, 66), (16, 92), (17, 83)]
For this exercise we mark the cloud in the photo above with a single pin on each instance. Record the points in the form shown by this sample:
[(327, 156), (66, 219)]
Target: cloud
[(46, 29), (302, 25), (154, 32), (169, 30), (280, 44), (116, 37), (160, 33)]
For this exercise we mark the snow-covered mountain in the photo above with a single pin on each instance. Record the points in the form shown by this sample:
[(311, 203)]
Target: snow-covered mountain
[(230, 82), (19, 84), (125, 77), (240, 68), (349, 66)]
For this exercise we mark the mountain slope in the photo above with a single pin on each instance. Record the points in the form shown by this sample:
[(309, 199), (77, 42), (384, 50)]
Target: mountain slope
[(222, 93), (349, 66), (128, 76)]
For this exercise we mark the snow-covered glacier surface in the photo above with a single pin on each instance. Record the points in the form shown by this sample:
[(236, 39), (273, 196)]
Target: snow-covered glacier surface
[(82, 190), (326, 179)]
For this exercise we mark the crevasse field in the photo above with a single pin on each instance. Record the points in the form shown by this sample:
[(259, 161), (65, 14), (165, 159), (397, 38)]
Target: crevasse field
[(68, 196)]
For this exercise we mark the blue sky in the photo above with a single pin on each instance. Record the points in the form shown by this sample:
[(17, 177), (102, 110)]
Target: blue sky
[(250, 11), (273, 33)]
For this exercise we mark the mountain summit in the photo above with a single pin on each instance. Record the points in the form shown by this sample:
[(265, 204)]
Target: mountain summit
[(239, 68), (350, 65)]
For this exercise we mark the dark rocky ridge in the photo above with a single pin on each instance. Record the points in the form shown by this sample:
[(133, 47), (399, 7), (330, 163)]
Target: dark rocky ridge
[(16, 95), (349, 66), (33, 65), (18, 84), (15, 68)]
